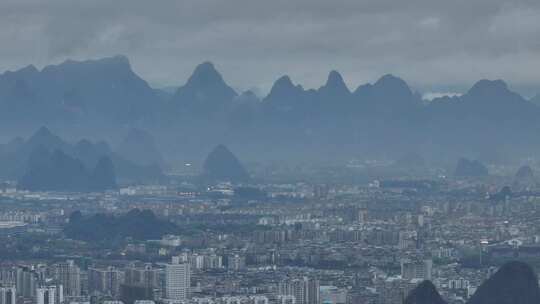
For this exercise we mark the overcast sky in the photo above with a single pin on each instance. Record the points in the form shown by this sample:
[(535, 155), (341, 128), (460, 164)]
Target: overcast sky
[(435, 45)]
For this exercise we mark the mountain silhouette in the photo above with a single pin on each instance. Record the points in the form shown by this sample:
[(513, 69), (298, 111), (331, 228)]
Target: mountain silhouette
[(15, 160), (222, 165), (390, 94), (205, 92), (16, 94), (525, 172), (333, 97), (57, 171), (488, 105), (104, 90), (285, 96), (102, 96), (494, 98), (424, 293), (45, 138), (470, 168), (513, 283), (334, 88)]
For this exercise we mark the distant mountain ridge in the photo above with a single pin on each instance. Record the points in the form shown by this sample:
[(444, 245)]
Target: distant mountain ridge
[(22, 160), (380, 118), (105, 89), (57, 171)]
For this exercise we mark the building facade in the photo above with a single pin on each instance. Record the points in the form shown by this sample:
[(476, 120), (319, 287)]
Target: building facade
[(177, 280)]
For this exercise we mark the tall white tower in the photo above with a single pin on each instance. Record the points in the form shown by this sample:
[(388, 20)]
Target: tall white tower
[(177, 280), (69, 275), (46, 295)]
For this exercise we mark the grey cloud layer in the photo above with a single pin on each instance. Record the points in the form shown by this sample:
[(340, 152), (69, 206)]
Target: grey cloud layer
[(428, 42)]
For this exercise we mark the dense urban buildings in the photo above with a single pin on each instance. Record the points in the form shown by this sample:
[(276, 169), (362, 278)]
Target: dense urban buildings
[(297, 243), (177, 279)]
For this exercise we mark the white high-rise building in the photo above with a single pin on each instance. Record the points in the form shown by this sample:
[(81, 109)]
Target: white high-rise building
[(105, 281), (47, 295), (304, 290), (26, 282), (68, 275), (8, 295), (177, 280)]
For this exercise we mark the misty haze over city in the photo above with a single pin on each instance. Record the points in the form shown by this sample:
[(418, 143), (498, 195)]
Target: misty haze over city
[(276, 152)]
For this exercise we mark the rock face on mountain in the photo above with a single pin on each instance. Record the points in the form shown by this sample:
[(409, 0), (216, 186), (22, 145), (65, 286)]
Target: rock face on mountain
[(334, 88), (514, 283), (140, 147), (524, 172), (222, 165), (57, 171), (470, 168), (424, 293)]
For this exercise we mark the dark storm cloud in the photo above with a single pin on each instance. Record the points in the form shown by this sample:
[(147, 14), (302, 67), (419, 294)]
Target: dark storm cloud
[(430, 43)]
